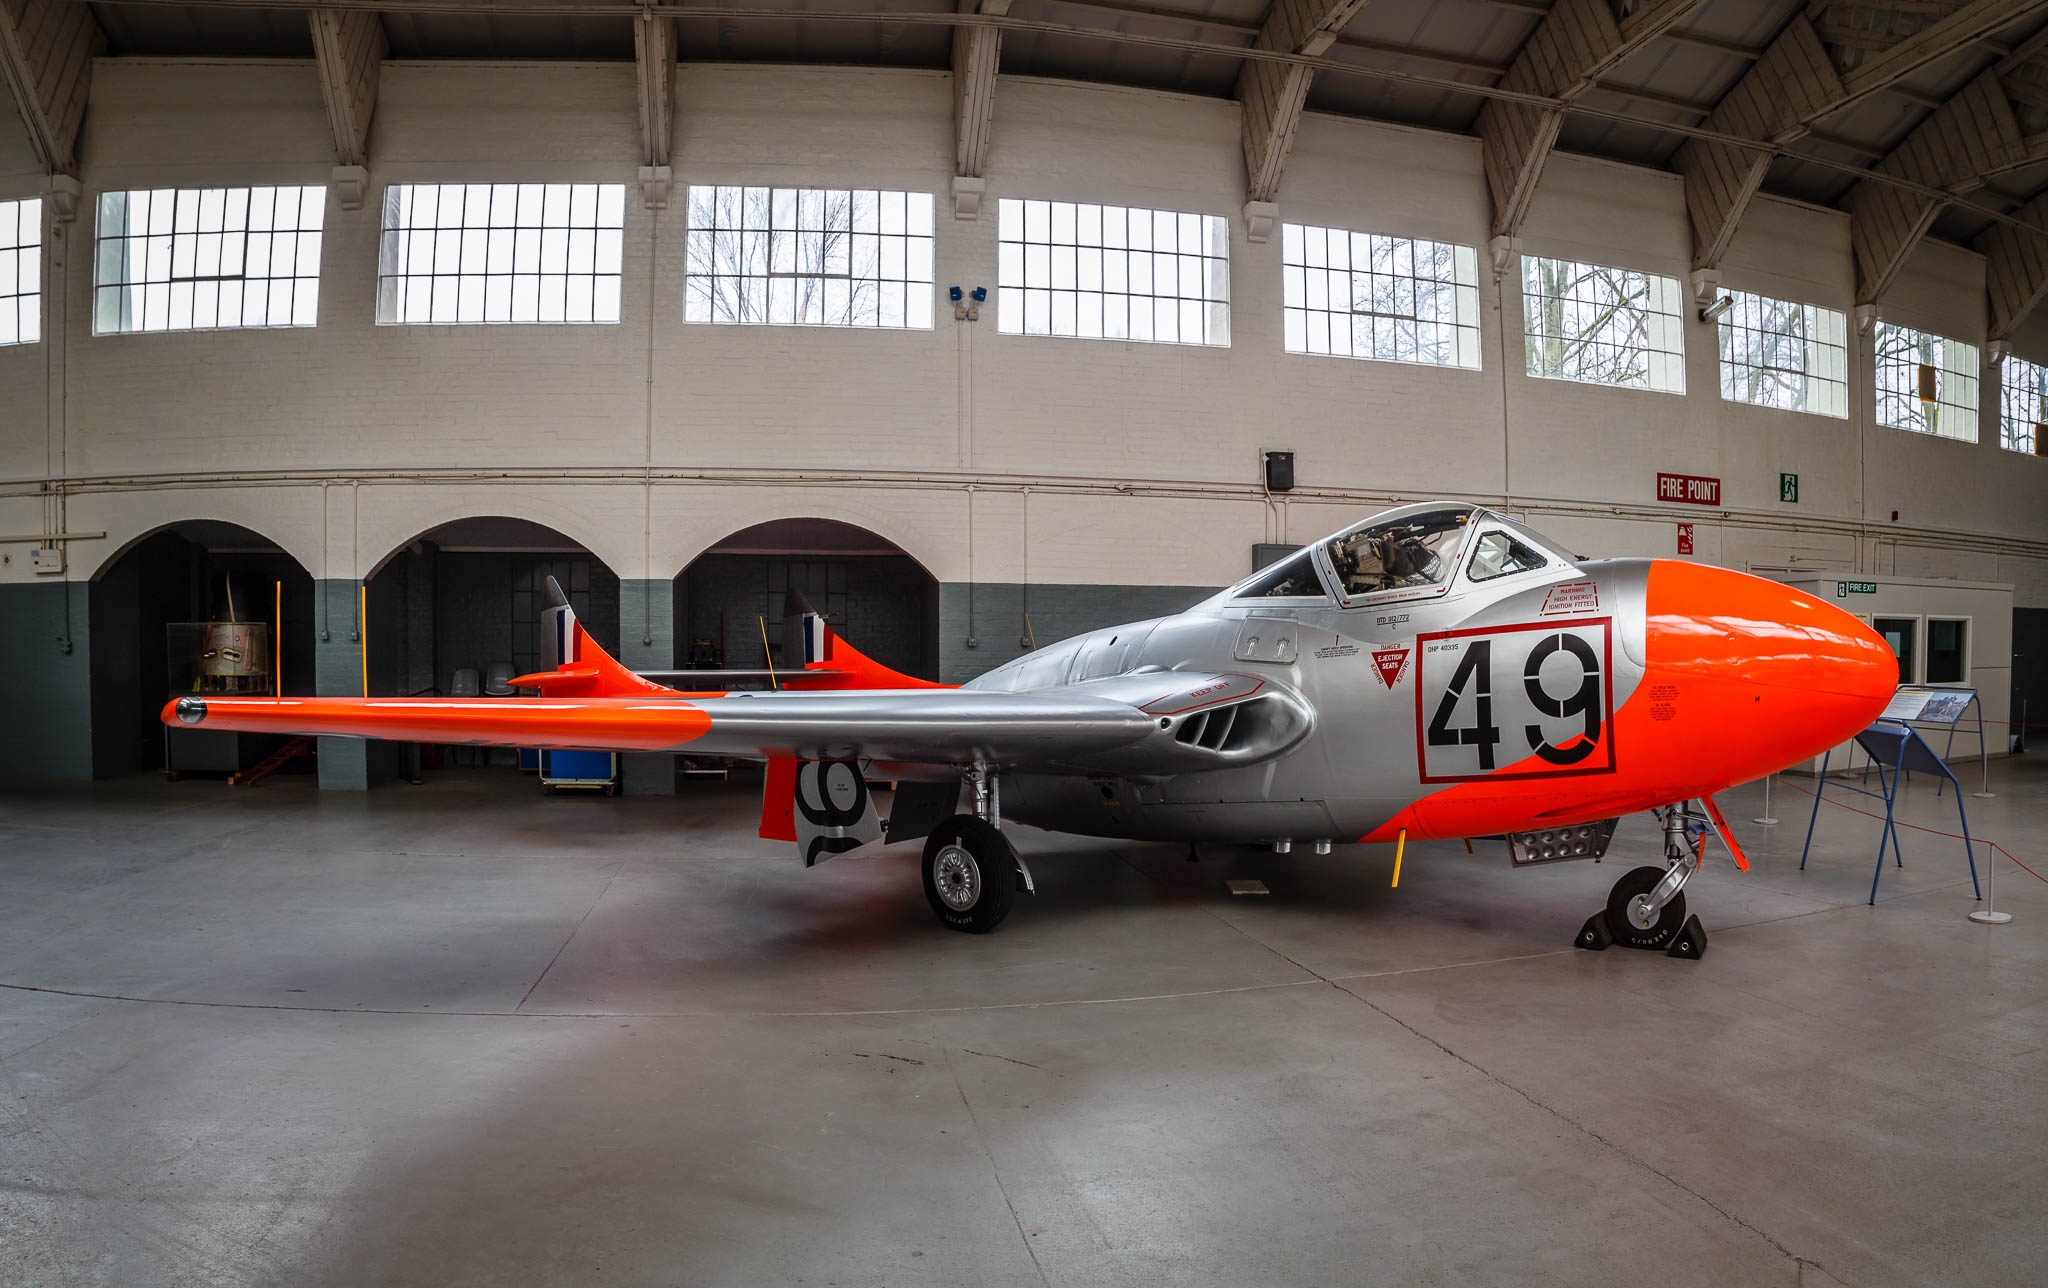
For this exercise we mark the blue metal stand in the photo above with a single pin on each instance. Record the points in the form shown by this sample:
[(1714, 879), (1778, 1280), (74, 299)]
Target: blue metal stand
[(1896, 745)]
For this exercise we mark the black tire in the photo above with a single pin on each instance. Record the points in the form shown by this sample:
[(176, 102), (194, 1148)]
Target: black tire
[(970, 874), (1669, 918)]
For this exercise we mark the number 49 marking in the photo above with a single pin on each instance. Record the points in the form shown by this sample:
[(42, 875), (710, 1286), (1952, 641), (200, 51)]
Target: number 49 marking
[(1553, 702)]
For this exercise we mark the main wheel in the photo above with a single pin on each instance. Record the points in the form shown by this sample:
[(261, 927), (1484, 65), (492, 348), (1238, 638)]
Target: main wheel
[(970, 874), (1627, 914)]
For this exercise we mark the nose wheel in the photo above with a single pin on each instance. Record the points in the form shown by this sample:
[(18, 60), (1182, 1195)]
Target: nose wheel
[(1646, 907)]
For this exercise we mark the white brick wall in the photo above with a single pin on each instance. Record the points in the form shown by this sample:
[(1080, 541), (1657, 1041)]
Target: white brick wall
[(1102, 432)]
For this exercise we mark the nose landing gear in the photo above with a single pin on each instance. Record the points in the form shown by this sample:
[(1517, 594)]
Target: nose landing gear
[(1646, 907)]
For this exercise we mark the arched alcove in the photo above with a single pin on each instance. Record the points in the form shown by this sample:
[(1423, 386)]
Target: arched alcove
[(876, 596), (467, 594), (152, 606)]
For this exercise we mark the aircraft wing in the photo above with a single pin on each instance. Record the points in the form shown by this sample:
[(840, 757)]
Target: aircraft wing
[(954, 727), (839, 705)]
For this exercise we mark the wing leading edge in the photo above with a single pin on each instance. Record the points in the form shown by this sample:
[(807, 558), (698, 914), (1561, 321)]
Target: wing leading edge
[(843, 705)]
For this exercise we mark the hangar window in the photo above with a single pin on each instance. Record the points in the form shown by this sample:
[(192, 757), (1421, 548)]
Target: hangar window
[(1603, 326), (456, 253), (1112, 273), (1364, 295), (2023, 407), (21, 271), (202, 259), (1775, 353), (808, 257), (1926, 383)]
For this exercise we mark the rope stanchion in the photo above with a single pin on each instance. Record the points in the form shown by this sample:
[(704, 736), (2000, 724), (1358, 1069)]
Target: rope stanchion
[(1987, 915), (1766, 820)]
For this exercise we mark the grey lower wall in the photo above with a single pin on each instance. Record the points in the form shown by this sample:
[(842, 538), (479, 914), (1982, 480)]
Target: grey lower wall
[(2030, 673), (994, 615), (46, 697), (73, 715), (346, 764), (647, 642), (881, 604)]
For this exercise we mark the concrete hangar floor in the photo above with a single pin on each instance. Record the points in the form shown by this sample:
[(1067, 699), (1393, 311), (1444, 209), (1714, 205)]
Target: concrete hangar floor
[(464, 1034)]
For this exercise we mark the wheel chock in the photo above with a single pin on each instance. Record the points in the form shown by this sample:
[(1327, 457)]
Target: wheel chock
[(1594, 936), (1690, 942)]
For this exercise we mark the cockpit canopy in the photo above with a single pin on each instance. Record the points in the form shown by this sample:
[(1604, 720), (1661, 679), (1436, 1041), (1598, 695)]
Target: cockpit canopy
[(1398, 554), (1417, 550)]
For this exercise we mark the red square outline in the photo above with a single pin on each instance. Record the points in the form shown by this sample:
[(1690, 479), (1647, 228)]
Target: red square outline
[(1606, 625)]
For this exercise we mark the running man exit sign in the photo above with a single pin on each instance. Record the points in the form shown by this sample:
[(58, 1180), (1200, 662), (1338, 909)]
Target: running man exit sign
[(1788, 487)]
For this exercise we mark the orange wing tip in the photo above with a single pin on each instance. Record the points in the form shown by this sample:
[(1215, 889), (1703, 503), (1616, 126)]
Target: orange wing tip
[(539, 678)]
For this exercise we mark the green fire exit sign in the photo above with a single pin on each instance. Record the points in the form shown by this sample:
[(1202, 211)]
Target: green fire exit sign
[(1788, 487), (1844, 589)]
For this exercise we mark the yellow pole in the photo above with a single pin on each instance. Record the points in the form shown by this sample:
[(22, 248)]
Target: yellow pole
[(768, 653), (1400, 844), (277, 646), (1033, 635), (363, 629)]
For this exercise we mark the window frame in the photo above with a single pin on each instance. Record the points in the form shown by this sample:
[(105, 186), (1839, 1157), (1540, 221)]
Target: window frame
[(1549, 563), (1670, 322), (28, 213), (706, 244), (398, 266), (166, 239), (2008, 439), (1969, 625), (1462, 335), (1726, 328), (1110, 257), (1973, 373), (1914, 642)]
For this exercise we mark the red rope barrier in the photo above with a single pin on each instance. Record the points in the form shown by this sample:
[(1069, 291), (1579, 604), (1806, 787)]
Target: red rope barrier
[(1931, 831)]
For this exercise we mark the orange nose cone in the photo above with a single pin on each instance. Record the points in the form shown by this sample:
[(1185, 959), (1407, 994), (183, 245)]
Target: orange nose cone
[(1767, 674)]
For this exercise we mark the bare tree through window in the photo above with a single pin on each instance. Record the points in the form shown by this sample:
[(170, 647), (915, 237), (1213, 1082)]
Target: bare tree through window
[(809, 257), (2024, 405), (1926, 383), (1367, 295), (1601, 325), (1777, 353)]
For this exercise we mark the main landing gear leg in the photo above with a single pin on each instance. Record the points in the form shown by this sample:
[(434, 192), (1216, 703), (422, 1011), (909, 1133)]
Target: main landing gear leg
[(1646, 908), (972, 873)]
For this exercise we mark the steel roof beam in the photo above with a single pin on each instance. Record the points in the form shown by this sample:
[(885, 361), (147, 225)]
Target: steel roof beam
[(348, 49), (977, 56), (2015, 270), (1955, 150), (1500, 93), (46, 53), (1273, 94), (654, 59), (1577, 42)]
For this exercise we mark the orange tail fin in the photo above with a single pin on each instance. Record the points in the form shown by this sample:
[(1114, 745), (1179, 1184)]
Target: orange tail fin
[(823, 650), (579, 668)]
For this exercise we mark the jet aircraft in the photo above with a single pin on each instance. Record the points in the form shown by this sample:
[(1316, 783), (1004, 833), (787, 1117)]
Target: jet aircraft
[(1438, 671)]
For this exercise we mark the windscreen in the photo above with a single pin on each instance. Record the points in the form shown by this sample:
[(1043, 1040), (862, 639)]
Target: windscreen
[(1412, 552)]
